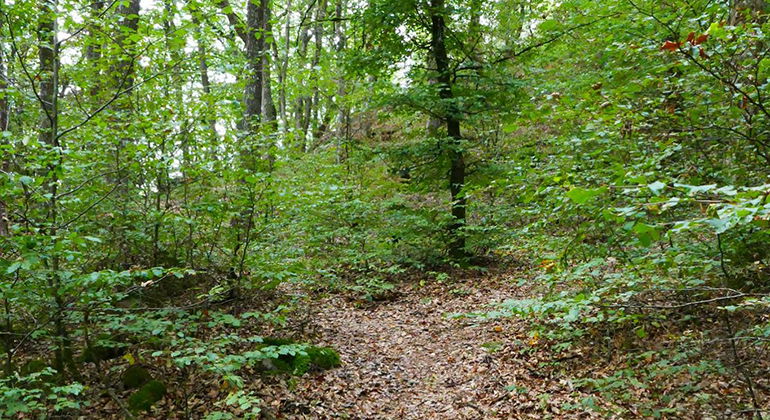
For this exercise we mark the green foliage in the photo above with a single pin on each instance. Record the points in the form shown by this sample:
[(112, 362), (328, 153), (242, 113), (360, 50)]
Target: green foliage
[(617, 149)]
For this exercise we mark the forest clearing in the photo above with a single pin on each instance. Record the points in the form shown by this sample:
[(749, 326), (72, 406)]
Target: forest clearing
[(384, 209)]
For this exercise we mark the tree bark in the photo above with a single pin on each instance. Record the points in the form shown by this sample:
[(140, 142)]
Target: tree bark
[(343, 112), (4, 113), (268, 106), (48, 134), (451, 117), (203, 70), (756, 8), (284, 69), (301, 123), (312, 107), (255, 23)]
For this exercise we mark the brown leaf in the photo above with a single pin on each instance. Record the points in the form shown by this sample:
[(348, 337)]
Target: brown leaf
[(670, 46)]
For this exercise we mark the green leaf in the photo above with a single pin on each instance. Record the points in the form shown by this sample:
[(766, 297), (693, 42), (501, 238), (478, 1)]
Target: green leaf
[(646, 234), (582, 195), (656, 187), (13, 268)]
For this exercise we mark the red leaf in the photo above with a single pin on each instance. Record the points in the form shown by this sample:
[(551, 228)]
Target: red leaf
[(670, 46), (691, 37), (701, 39), (703, 54)]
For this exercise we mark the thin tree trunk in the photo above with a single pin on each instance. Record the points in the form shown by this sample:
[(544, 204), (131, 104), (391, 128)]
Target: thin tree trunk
[(203, 69), (312, 107), (121, 80), (268, 106), (456, 154), (48, 135), (284, 69), (299, 110), (4, 113), (94, 53), (343, 112)]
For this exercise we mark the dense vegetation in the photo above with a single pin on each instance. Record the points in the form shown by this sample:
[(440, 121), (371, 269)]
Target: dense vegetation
[(182, 181)]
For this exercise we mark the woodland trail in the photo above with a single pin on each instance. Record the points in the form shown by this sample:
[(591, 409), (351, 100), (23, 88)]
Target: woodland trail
[(405, 359)]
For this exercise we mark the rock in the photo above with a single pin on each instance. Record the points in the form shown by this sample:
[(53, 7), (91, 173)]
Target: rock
[(135, 376), (144, 398)]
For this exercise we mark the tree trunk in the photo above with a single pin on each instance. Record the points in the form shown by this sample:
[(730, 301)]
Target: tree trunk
[(255, 18), (284, 70), (94, 54), (4, 113), (48, 135), (456, 153), (122, 80), (299, 110), (343, 113), (312, 107), (756, 8), (268, 106), (203, 69)]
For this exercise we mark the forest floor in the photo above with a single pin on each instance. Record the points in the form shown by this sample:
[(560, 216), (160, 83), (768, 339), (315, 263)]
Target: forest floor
[(407, 358)]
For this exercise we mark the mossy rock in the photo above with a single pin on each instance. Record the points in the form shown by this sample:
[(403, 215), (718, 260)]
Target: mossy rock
[(32, 366), (146, 396), (37, 366), (324, 357), (157, 343), (135, 376), (105, 347), (274, 341)]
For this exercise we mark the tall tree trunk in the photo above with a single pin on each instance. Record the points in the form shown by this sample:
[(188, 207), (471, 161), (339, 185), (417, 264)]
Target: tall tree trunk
[(94, 53), (4, 113), (312, 107), (343, 112), (255, 18), (268, 106), (203, 70), (284, 69), (456, 153), (48, 56), (122, 79), (299, 108)]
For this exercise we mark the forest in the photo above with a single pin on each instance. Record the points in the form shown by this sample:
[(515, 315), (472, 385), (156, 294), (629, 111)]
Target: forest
[(384, 209)]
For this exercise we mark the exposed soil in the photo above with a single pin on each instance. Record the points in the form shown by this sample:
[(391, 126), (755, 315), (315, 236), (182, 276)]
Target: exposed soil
[(407, 359)]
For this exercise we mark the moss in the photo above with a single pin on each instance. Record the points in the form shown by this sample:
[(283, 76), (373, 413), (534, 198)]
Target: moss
[(136, 376), (146, 396), (274, 341), (105, 347), (324, 357), (32, 366), (157, 343)]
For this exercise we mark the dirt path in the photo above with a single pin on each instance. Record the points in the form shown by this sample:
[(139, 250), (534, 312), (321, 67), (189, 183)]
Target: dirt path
[(405, 359)]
